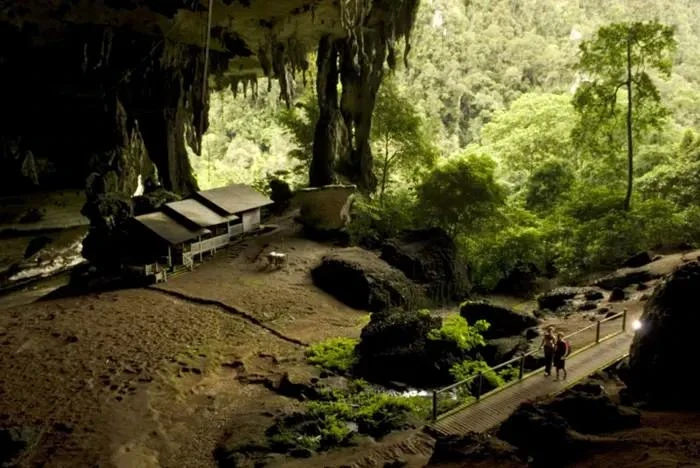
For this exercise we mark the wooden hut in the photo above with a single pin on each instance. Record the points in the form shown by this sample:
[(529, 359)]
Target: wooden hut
[(169, 240), (236, 200), (195, 215)]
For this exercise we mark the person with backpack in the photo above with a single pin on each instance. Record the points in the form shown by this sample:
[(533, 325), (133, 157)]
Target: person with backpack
[(561, 352)]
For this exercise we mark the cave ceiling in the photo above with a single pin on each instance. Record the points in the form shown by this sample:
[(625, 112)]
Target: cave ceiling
[(240, 29)]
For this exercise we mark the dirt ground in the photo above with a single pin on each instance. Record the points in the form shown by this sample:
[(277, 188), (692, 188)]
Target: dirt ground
[(141, 378)]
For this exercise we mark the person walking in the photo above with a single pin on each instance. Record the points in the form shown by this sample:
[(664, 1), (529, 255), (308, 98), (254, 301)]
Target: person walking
[(561, 352), (548, 343)]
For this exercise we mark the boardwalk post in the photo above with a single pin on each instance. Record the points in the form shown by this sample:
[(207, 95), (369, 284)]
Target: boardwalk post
[(435, 397), (522, 367), (624, 319), (597, 332), (480, 380)]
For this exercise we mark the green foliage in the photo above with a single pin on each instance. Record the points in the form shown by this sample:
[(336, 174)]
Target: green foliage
[(471, 369), (533, 131), (461, 194), (334, 354), (455, 328), (547, 185), (373, 220), (329, 423), (519, 240), (399, 143), (617, 58)]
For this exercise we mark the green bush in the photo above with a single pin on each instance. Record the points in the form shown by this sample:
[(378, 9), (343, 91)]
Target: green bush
[(334, 354), (455, 328), (373, 221), (469, 369), (329, 423)]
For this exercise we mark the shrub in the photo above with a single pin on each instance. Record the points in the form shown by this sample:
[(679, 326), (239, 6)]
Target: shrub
[(373, 221), (334, 354), (468, 369), (332, 422), (455, 328)]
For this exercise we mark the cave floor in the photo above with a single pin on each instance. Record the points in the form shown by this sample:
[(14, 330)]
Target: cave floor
[(141, 378)]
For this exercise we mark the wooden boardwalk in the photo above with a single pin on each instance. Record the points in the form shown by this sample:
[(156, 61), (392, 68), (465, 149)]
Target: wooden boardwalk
[(494, 409)]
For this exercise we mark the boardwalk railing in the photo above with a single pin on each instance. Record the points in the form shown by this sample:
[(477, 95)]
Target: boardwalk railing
[(470, 390)]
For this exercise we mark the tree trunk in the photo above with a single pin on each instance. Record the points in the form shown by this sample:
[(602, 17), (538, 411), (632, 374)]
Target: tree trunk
[(630, 149), (385, 170)]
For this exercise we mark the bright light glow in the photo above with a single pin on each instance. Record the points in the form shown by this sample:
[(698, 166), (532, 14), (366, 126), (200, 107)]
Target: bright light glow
[(636, 324)]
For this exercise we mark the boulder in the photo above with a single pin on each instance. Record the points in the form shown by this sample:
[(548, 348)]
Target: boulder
[(542, 434), (558, 297), (622, 279), (588, 305), (590, 413), (429, 257), (666, 345), (13, 443), (361, 280), (637, 260), (394, 346), (324, 209), (298, 385), (593, 295), (281, 194), (472, 447), (590, 386), (617, 295), (521, 281), (499, 350), (504, 321)]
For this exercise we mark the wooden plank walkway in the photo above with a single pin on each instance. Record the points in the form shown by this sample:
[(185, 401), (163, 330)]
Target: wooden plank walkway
[(494, 409)]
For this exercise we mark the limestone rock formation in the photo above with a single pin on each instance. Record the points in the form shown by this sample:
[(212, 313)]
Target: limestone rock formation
[(666, 345), (504, 321), (499, 350), (625, 278), (394, 346), (590, 411), (472, 447), (363, 281), (324, 210), (558, 297), (542, 434), (638, 260), (429, 257)]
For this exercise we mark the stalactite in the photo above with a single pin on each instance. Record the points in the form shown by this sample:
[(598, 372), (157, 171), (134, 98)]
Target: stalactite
[(371, 31)]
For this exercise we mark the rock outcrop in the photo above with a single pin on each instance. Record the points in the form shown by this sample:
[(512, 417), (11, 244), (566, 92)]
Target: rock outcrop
[(589, 410), (542, 434), (359, 279), (638, 260), (324, 210), (473, 447), (394, 346), (504, 321), (429, 257), (664, 349), (625, 278), (559, 297)]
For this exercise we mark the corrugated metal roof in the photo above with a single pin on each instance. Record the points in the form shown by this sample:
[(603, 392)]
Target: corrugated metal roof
[(195, 212), (168, 229), (235, 198)]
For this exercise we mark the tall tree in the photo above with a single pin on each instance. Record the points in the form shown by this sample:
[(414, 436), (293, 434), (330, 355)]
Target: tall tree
[(620, 57), (398, 139)]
